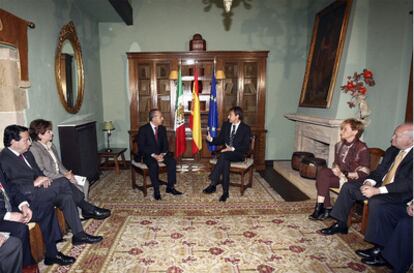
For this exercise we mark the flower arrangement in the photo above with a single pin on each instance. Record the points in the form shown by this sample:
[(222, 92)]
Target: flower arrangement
[(357, 85)]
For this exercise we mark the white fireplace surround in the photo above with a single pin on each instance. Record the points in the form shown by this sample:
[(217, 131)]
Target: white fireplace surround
[(316, 135)]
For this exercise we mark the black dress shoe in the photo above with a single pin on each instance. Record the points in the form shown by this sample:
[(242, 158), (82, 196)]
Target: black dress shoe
[(224, 197), (96, 213), (318, 212), (375, 261), (335, 228), (173, 191), (369, 253), (60, 259), (210, 189), (84, 238), (157, 196)]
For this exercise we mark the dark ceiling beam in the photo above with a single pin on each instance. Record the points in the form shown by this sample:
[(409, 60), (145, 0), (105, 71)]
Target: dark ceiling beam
[(124, 9)]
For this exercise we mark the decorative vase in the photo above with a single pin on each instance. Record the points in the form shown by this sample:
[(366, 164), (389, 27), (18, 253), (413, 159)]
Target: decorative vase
[(363, 110)]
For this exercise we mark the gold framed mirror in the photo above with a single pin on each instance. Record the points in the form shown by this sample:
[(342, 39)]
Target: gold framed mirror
[(69, 72)]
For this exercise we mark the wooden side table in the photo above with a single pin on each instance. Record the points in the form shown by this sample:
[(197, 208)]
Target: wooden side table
[(111, 159)]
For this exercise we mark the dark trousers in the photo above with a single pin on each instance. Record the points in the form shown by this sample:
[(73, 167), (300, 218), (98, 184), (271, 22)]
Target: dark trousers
[(11, 256), (222, 168), (349, 194), (77, 195), (59, 193), (44, 216), (390, 227), (325, 180), (154, 170)]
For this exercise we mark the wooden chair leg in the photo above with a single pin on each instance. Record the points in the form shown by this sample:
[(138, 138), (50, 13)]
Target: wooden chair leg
[(242, 186), (251, 177), (61, 220), (37, 247), (133, 181), (364, 222)]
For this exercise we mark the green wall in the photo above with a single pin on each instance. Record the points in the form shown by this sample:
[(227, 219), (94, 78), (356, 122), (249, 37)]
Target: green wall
[(381, 41), (283, 27), (49, 16), (376, 38)]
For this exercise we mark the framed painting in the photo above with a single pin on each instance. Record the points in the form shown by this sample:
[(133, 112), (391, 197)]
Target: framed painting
[(325, 52)]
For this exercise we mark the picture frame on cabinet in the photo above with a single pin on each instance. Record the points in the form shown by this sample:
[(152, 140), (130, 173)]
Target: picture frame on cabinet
[(328, 37)]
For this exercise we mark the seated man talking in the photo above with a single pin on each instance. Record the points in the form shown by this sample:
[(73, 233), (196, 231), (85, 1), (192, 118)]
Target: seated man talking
[(153, 148), (235, 134)]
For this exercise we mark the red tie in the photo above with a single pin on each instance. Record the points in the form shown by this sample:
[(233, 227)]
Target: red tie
[(156, 134)]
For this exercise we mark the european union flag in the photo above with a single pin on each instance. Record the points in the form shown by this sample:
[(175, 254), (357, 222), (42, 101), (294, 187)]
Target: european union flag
[(213, 114)]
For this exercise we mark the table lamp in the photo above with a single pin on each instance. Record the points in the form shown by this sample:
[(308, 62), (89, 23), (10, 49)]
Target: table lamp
[(108, 127)]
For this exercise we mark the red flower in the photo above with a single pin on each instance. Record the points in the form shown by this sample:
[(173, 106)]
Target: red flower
[(277, 221), (362, 90), (367, 74), (357, 84), (211, 223), (145, 222)]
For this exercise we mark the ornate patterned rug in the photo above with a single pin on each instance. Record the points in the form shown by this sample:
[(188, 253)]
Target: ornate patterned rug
[(194, 233)]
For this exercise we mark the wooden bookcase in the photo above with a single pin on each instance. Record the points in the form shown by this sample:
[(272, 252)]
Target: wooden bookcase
[(245, 85)]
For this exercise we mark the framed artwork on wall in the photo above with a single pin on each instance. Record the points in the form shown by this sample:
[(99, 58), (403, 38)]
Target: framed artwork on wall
[(325, 52)]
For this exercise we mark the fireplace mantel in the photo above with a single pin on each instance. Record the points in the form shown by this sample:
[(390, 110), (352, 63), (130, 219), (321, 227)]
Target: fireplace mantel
[(315, 120), (316, 135)]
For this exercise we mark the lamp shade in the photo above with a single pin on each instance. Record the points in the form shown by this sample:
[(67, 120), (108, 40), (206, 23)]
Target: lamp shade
[(220, 75), (173, 75), (108, 126)]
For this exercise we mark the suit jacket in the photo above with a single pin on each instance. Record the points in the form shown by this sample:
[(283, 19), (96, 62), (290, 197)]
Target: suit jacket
[(16, 171), (241, 141), (12, 191), (45, 161), (147, 145), (402, 187)]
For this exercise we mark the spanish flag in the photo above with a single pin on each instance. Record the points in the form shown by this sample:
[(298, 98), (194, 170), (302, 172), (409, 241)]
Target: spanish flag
[(195, 119)]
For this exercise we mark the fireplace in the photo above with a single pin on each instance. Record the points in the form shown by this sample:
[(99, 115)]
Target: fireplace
[(316, 135)]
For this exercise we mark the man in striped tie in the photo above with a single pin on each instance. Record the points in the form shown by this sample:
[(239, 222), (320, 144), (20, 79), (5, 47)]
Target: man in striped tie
[(390, 184)]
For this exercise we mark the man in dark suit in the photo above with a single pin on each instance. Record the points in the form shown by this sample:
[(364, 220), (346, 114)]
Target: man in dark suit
[(15, 213), (390, 184), (20, 168), (391, 233), (10, 254), (153, 149), (235, 135)]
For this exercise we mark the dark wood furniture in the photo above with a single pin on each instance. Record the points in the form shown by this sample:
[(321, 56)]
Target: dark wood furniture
[(111, 159), (245, 85), (78, 148), (242, 168), (141, 168)]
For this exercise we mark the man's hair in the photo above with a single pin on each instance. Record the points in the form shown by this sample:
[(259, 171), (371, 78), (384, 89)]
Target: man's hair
[(408, 129), (355, 125), (151, 113), (39, 126), (12, 132), (238, 111)]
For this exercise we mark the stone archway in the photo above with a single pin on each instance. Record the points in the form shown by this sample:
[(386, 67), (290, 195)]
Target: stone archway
[(13, 91)]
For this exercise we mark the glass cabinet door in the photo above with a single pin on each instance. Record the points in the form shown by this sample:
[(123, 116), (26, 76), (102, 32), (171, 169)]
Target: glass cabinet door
[(248, 101), (163, 91), (144, 92), (231, 86)]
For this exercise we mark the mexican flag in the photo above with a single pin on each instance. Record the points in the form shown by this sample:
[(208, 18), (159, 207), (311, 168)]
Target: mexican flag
[(179, 126)]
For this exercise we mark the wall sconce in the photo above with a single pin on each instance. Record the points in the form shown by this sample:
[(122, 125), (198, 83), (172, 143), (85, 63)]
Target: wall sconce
[(220, 75), (173, 75), (108, 127)]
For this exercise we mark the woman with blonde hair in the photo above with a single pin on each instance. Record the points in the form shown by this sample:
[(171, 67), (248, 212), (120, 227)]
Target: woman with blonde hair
[(351, 164)]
